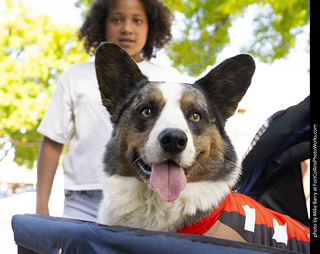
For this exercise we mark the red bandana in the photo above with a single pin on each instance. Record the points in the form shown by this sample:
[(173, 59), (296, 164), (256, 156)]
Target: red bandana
[(235, 202), (202, 226)]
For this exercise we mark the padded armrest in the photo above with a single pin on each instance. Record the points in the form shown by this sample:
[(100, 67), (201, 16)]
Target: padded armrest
[(45, 234)]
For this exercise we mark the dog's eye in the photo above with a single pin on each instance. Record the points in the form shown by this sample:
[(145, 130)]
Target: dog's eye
[(146, 112), (195, 117)]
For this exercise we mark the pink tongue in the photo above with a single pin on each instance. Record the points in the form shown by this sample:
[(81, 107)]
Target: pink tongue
[(168, 180)]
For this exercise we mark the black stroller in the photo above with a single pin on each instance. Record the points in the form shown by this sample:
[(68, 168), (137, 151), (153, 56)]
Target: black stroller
[(272, 165)]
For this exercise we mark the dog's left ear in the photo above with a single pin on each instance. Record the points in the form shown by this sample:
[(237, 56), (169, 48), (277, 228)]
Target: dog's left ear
[(228, 82), (117, 75)]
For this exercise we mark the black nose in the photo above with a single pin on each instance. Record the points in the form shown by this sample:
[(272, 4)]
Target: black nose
[(173, 140)]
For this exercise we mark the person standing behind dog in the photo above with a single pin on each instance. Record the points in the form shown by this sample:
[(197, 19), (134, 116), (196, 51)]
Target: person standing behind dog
[(75, 114)]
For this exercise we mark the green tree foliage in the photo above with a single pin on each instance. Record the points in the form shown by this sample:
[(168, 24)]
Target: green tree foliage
[(33, 53), (207, 22)]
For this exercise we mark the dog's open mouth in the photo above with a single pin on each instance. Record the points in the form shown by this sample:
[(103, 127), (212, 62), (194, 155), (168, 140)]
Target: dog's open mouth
[(144, 167), (167, 178)]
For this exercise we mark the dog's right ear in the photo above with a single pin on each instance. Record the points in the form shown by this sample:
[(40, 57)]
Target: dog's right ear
[(228, 82), (117, 75)]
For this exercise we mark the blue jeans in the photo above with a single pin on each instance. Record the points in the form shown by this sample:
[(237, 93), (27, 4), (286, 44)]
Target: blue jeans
[(82, 205)]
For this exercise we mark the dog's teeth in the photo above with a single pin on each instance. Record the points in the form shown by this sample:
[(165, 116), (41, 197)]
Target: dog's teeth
[(144, 170)]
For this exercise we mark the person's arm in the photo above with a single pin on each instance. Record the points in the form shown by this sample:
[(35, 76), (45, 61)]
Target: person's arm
[(48, 159)]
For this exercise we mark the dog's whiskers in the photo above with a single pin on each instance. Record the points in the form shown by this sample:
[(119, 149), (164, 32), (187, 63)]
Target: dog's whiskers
[(196, 163), (136, 160)]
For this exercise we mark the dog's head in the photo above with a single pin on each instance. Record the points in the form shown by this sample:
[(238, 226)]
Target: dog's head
[(170, 134)]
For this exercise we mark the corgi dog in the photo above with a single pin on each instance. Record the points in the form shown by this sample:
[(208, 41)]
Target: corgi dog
[(169, 165)]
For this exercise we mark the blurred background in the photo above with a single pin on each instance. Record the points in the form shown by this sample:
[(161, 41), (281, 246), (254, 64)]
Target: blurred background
[(38, 41)]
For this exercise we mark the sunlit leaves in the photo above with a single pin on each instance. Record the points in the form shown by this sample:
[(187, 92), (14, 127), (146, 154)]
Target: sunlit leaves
[(33, 53), (206, 32)]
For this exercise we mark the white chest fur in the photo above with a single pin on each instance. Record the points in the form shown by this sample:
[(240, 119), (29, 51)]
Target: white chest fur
[(130, 202)]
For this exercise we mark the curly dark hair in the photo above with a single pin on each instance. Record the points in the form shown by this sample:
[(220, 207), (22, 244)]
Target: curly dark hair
[(159, 20)]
